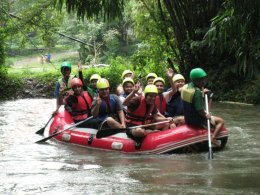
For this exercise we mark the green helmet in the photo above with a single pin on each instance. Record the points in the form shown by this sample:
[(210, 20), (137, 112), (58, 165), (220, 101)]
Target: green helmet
[(65, 64), (197, 73)]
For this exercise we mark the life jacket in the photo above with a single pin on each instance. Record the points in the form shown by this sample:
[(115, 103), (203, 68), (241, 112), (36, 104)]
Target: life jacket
[(107, 108), (160, 102), (191, 115), (141, 115), (81, 110), (92, 92), (61, 81), (175, 106)]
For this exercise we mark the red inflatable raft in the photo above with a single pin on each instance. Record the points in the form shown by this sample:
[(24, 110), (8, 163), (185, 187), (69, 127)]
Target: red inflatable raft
[(181, 139)]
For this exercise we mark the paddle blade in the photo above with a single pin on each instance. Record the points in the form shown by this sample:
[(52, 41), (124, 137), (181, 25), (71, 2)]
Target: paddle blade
[(108, 132), (40, 132), (44, 139)]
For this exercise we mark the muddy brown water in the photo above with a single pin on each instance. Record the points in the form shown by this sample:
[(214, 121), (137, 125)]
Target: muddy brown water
[(54, 168)]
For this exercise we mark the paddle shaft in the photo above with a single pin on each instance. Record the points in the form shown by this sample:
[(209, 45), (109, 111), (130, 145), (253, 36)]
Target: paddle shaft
[(41, 131), (210, 155), (108, 132), (53, 135)]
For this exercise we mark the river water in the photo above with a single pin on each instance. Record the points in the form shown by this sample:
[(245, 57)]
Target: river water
[(54, 168)]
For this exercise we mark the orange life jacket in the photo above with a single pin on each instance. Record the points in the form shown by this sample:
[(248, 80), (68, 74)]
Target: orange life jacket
[(82, 108), (160, 103), (140, 116)]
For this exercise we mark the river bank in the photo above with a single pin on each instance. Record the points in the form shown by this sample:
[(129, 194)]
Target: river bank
[(35, 88), (23, 81)]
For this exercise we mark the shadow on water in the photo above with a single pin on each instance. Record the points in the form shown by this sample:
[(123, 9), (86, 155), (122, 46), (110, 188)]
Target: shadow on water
[(55, 168)]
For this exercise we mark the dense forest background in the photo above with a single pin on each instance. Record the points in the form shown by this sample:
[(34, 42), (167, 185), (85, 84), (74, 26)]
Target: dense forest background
[(221, 36)]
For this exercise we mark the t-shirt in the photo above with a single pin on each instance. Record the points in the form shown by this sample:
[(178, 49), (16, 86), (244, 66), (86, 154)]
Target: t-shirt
[(118, 103)]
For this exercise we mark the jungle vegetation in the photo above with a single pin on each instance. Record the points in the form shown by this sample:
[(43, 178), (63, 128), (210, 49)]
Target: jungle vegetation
[(221, 36)]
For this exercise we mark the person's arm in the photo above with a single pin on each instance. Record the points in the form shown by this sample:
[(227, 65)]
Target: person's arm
[(119, 109), (58, 98), (96, 106), (170, 74), (131, 95), (81, 77), (121, 117), (158, 117), (199, 105)]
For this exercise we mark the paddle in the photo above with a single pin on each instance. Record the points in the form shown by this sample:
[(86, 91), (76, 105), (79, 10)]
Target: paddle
[(41, 131), (108, 132), (210, 154), (53, 135)]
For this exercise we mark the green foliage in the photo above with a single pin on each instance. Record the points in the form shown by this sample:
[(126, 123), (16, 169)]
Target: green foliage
[(98, 8), (235, 31)]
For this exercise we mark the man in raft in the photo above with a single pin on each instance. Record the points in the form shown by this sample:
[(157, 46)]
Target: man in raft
[(192, 95), (107, 109), (142, 110), (63, 84)]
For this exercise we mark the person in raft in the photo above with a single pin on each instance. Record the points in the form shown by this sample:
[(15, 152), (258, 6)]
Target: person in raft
[(142, 110), (192, 95), (107, 109), (78, 102), (125, 74), (63, 84), (150, 77), (92, 86)]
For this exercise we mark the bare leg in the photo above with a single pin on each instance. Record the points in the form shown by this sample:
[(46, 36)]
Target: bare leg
[(112, 123), (219, 122)]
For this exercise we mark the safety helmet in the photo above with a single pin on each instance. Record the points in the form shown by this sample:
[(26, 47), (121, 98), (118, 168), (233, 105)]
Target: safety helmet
[(150, 89), (151, 75), (197, 73), (65, 64), (95, 76), (102, 83), (177, 77), (75, 82), (158, 79), (126, 72), (129, 80)]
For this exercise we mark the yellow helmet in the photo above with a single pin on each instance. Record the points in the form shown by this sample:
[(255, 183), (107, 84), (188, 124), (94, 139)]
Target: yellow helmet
[(95, 76), (102, 83), (150, 89), (126, 72), (177, 77), (158, 79), (151, 75), (128, 80)]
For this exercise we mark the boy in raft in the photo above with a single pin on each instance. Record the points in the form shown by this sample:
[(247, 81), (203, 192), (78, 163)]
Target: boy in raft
[(63, 84), (192, 95), (142, 110), (92, 87), (125, 74), (174, 105), (78, 102), (107, 108), (150, 77)]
